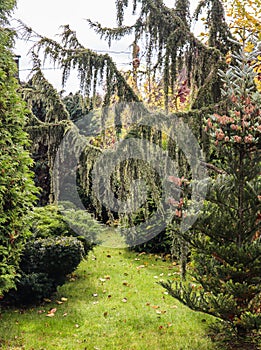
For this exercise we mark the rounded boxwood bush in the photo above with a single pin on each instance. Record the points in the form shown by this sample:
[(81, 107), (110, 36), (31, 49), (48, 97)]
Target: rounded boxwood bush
[(45, 264), (55, 256)]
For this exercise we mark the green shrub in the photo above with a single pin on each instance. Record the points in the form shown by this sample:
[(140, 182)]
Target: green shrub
[(48, 222), (32, 287), (56, 256), (60, 239), (45, 264), (51, 221)]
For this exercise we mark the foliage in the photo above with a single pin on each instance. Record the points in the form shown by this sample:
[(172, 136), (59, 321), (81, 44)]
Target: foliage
[(44, 265), (160, 244), (61, 238), (17, 191), (244, 19), (48, 222), (245, 23), (170, 48), (39, 92), (218, 32), (79, 106), (51, 221), (226, 238)]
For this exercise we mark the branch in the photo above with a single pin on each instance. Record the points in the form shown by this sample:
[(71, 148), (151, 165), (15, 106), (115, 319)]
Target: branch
[(213, 167)]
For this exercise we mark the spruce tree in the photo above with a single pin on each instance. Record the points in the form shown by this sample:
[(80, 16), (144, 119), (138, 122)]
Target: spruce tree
[(225, 241), (16, 182)]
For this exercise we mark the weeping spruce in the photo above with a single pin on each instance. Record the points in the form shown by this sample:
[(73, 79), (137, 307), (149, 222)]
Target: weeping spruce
[(170, 47), (17, 191)]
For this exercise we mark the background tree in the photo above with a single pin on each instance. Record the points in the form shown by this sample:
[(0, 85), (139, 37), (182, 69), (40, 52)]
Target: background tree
[(16, 181), (245, 22)]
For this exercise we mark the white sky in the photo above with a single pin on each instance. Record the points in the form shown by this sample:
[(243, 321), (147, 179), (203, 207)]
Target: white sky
[(45, 17)]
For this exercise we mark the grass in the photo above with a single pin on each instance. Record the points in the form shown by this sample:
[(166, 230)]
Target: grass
[(113, 302)]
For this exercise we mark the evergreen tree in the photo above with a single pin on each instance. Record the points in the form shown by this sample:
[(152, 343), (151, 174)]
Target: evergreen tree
[(225, 240), (169, 47), (16, 182)]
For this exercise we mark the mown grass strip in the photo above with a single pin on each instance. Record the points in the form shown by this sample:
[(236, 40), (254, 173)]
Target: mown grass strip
[(111, 302)]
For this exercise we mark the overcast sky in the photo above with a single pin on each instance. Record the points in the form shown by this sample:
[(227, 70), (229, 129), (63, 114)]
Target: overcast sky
[(45, 17)]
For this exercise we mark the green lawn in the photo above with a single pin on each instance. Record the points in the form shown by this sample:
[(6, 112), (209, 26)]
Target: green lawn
[(113, 302)]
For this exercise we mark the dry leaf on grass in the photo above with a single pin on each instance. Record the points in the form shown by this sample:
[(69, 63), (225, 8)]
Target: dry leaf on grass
[(51, 312)]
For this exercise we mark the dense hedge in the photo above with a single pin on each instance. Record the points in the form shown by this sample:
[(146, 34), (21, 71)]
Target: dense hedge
[(16, 186)]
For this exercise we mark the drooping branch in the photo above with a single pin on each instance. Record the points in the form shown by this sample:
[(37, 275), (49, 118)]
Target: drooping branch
[(38, 91), (171, 46), (218, 30), (93, 69)]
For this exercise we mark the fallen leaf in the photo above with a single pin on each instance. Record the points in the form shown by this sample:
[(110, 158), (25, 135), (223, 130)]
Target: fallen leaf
[(41, 311), (105, 314), (52, 311), (47, 300), (95, 295), (160, 312), (107, 277), (64, 299), (124, 300), (155, 306), (65, 314), (173, 307), (125, 283), (140, 267), (59, 302)]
